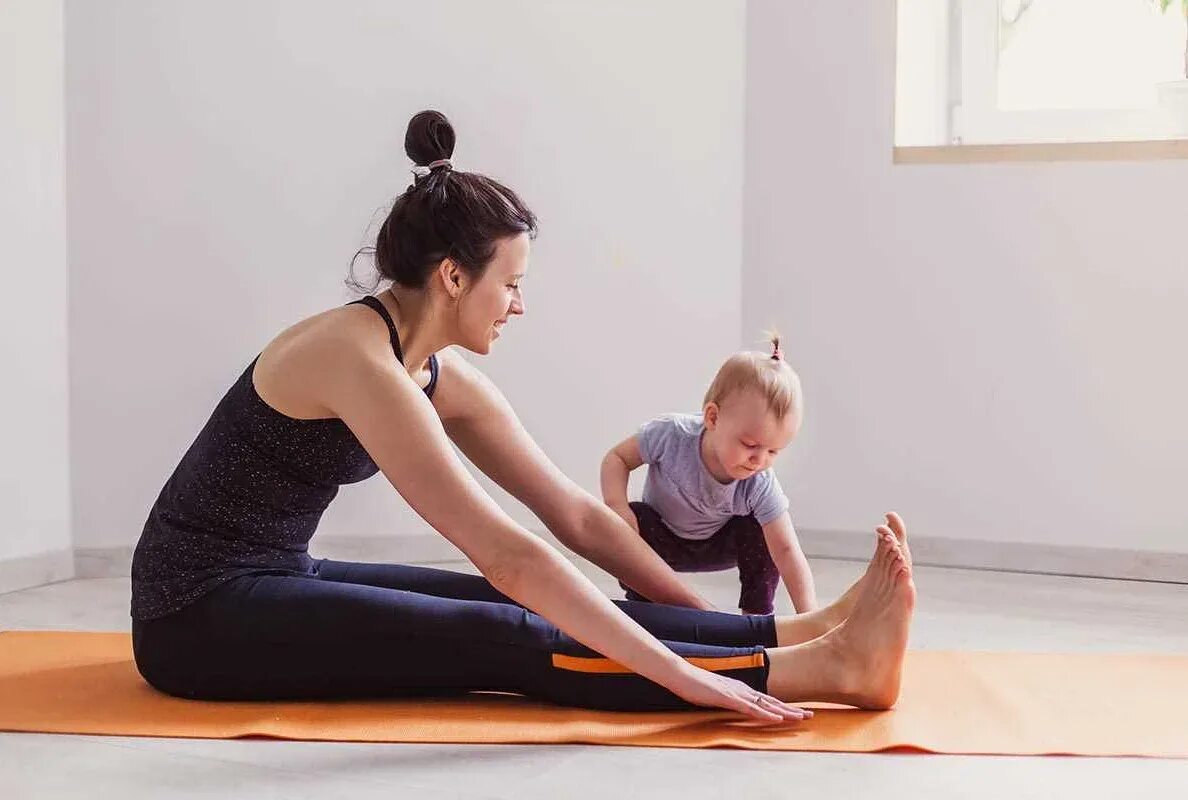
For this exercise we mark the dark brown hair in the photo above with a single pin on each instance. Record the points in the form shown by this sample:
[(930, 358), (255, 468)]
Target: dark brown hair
[(445, 213)]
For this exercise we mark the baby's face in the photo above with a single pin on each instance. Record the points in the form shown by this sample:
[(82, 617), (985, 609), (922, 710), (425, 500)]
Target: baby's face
[(748, 437)]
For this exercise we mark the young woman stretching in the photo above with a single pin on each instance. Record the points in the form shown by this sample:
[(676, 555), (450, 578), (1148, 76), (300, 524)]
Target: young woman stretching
[(228, 604)]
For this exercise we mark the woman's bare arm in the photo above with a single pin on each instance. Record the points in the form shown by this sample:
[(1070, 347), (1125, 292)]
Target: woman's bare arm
[(482, 423), (398, 426)]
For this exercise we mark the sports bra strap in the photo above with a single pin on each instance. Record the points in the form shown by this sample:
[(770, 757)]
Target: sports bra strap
[(376, 305)]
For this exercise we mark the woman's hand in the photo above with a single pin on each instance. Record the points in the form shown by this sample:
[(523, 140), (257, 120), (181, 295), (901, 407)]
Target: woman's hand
[(704, 688)]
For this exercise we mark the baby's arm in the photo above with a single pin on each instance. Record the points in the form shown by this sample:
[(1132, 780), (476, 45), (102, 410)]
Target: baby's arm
[(790, 560), (616, 468)]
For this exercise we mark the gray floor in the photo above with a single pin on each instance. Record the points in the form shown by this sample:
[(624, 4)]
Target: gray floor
[(958, 609)]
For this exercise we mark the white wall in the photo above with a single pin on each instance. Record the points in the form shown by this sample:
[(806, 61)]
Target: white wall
[(224, 160), (34, 471), (995, 350)]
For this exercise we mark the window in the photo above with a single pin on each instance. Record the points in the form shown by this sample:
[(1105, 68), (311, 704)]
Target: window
[(1027, 71)]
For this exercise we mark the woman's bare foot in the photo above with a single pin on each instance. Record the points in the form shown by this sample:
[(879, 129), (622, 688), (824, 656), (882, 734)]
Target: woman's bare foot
[(860, 662), (895, 526), (803, 627)]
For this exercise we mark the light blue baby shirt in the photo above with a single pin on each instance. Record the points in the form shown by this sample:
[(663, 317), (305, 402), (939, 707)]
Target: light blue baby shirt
[(682, 491)]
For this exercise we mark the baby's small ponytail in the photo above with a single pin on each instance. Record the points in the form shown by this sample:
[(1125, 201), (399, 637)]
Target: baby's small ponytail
[(754, 369), (773, 337)]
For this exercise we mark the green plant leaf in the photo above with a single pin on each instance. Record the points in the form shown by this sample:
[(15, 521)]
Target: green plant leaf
[(1164, 5)]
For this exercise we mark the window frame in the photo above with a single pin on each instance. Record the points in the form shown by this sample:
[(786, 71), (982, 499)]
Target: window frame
[(976, 119), (951, 153)]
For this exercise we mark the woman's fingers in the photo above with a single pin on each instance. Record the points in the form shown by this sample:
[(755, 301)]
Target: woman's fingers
[(714, 690), (764, 706), (753, 709), (785, 710)]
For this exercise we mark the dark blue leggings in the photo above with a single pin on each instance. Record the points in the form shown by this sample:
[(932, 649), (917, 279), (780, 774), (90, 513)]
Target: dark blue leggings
[(386, 630)]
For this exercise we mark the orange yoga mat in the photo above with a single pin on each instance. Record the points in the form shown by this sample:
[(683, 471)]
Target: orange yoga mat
[(952, 702)]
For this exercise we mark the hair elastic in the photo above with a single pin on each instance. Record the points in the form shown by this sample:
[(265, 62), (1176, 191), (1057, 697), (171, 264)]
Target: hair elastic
[(422, 171)]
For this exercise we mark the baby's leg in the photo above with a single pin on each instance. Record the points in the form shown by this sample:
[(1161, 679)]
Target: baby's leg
[(758, 575), (683, 555)]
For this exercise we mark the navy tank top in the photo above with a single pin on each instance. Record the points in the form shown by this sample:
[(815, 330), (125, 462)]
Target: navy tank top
[(247, 496)]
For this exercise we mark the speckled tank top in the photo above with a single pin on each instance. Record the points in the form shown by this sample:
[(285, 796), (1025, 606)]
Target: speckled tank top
[(247, 496)]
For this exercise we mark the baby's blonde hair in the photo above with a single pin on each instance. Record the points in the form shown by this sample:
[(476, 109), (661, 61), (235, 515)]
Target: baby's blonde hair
[(770, 375)]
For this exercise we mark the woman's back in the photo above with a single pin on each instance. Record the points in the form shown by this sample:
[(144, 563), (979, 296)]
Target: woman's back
[(247, 495)]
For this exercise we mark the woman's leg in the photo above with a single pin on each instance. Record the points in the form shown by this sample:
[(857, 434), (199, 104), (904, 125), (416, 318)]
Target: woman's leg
[(671, 623), (805, 627), (665, 622), (282, 637), (423, 580), (860, 661)]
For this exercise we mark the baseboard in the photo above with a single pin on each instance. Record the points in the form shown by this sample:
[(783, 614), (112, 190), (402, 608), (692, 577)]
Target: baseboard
[(102, 562), (36, 570), (116, 562), (1072, 560)]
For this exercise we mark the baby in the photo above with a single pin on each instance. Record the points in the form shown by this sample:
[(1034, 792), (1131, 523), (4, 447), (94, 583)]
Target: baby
[(710, 500)]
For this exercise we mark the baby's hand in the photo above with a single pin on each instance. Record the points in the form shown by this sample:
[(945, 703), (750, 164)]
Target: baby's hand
[(628, 516)]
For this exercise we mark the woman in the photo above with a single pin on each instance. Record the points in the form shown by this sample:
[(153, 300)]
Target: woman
[(227, 604)]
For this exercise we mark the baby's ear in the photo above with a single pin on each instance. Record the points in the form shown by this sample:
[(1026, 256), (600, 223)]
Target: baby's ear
[(710, 414)]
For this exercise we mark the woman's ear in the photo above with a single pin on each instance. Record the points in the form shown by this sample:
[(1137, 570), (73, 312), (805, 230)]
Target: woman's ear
[(452, 277)]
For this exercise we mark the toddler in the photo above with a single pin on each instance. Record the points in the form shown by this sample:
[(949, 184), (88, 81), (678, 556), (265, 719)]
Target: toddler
[(711, 500)]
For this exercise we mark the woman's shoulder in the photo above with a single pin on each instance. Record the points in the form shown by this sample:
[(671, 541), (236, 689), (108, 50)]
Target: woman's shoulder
[(463, 390), (348, 328), (295, 370)]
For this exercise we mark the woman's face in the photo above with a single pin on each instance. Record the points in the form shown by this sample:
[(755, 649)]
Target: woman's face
[(489, 302)]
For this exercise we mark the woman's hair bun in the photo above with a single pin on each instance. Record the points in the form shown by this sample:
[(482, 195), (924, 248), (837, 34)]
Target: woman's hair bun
[(430, 137), (445, 213)]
